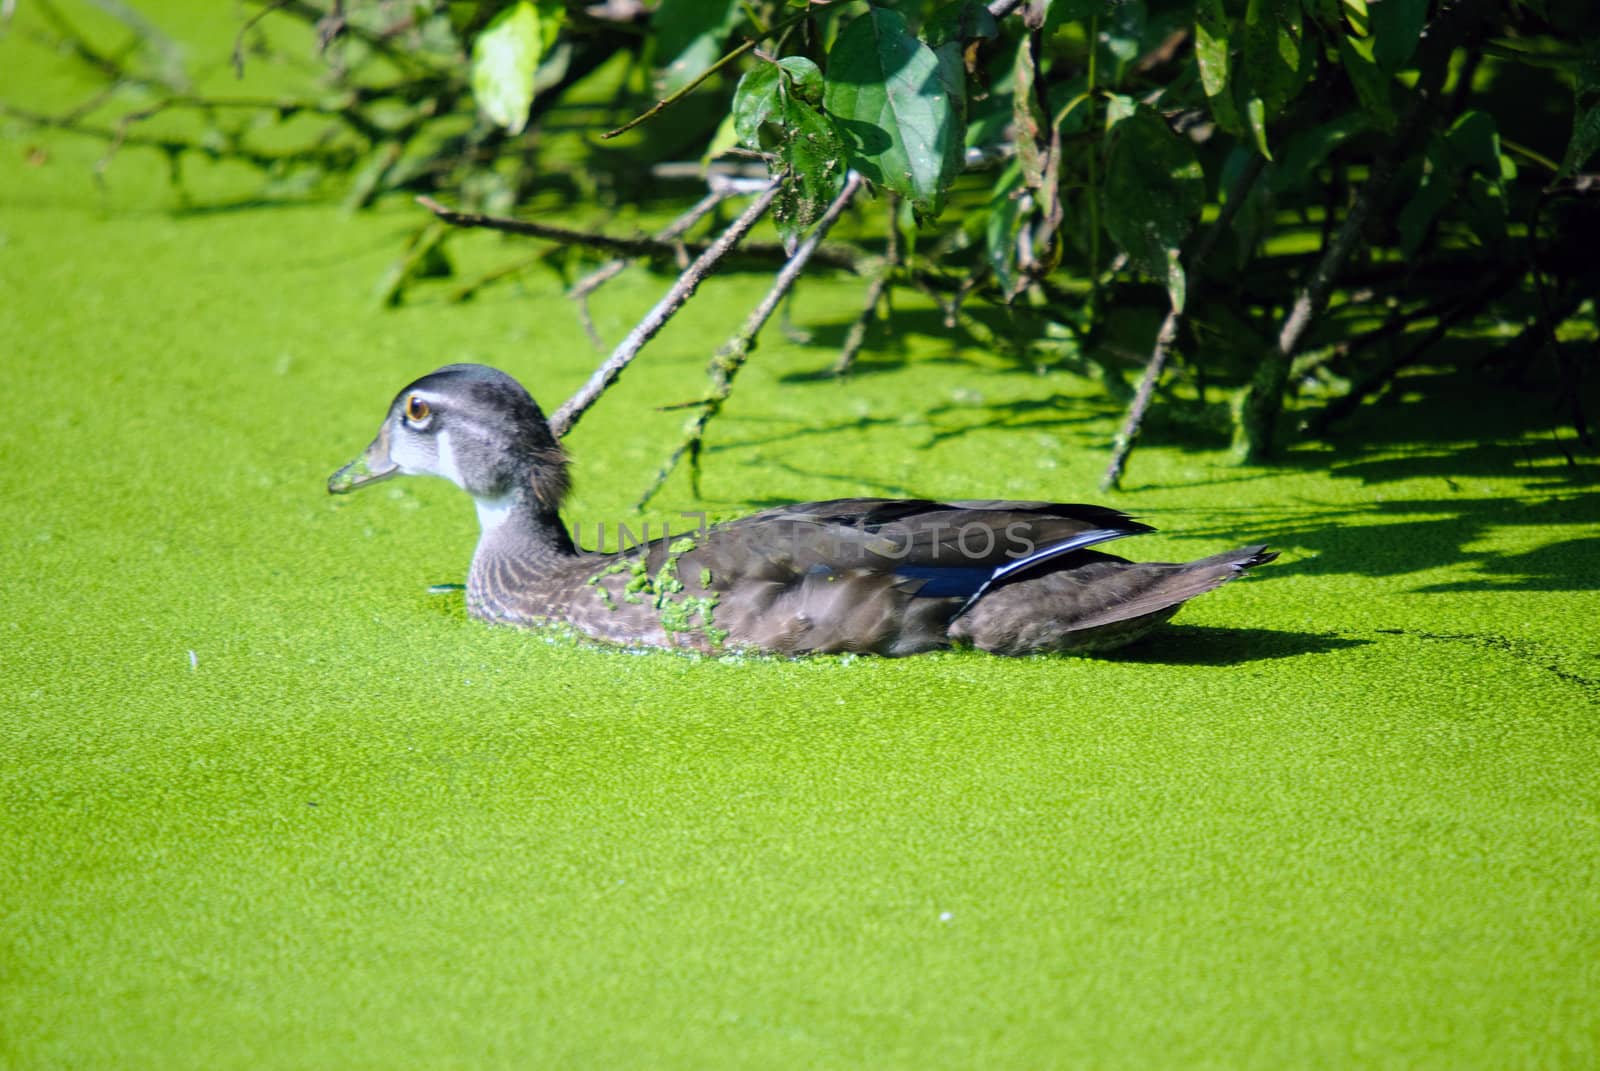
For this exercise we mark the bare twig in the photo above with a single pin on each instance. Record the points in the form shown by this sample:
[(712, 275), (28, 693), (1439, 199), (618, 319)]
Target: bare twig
[(249, 24), (732, 356), (173, 147), (568, 415), (857, 334), (1465, 306), (876, 287), (667, 102), (835, 256), (611, 269), (1263, 399), (632, 247), (1122, 445), (964, 289)]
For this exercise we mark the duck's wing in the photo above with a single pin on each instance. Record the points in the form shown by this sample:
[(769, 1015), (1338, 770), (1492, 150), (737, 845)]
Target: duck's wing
[(854, 574), (931, 549)]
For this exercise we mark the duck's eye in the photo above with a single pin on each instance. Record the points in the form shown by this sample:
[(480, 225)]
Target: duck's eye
[(417, 410)]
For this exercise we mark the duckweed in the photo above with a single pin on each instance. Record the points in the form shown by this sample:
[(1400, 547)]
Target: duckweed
[(1341, 814)]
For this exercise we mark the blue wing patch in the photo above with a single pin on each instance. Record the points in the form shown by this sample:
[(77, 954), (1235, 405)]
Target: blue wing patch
[(953, 581), (947, 581)]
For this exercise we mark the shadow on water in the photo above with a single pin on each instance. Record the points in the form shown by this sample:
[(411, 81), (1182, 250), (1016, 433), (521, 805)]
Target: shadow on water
[(1402, 536), (913, 335), (1417, 461), (1205, 645), (1394, 534)]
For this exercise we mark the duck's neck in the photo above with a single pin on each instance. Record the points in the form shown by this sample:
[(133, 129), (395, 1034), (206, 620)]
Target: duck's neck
[(522, 541)]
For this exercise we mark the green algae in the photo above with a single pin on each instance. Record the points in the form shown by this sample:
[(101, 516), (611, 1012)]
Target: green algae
[(1340, 813)]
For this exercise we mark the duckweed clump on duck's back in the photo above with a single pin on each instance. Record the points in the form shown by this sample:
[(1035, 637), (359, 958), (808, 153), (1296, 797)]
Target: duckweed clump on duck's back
[(664, 592)]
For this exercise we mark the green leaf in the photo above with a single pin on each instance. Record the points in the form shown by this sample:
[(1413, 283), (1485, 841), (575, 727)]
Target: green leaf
[(1256, 114), (1474, 142), (1122, 40), (1396, 28), (771, 113), (1306, 151), (895, 108), (755, 102), (1025, 119), (1433, 194), (959, 22), (1485, 210), (1177, 282), (504, 59), (815, 158), (1355, 13), (1154, 190), (1003, 223), (1058, 11), (1328, 13), (1119, 107), (1271, 52), (1213, 53), (805, 78), (1367, 78), (689, 36), (953, 73), (1211, 45), (1584, 141)]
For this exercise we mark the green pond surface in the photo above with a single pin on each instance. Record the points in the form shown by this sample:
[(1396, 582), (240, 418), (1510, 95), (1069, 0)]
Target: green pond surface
[(267, 802)]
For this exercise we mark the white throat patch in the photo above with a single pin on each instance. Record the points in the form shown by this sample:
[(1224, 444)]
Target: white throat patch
[(492, 512)]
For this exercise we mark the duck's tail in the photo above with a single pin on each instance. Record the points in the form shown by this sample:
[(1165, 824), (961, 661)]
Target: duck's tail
[(1157, 586), (1099, 604)]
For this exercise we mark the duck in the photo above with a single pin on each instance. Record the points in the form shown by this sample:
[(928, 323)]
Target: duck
[(850, 575)]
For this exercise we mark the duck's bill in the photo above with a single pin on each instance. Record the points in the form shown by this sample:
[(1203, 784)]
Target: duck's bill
[(370, 467)]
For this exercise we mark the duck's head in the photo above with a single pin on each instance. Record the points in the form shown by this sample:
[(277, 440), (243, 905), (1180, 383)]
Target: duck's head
[(475, 426)]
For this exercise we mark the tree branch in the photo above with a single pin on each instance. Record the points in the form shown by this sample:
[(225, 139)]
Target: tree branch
[(611, 269), (832, 256), (1122, 445), (876, 287), (1263, 399), (1469, 305)]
